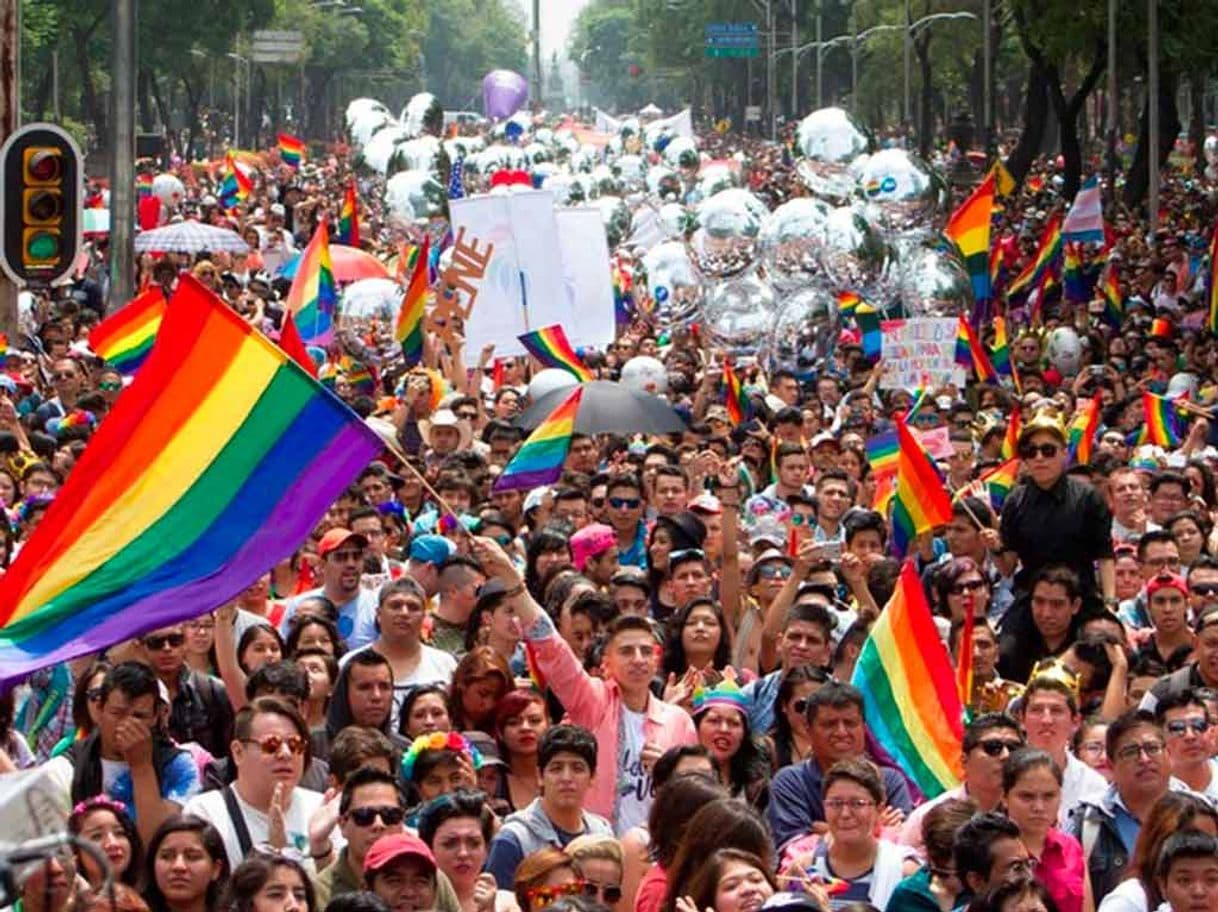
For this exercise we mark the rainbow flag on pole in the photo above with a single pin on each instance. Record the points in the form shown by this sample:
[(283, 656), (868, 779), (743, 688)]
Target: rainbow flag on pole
[(1162, 424), (550, 346), (971, 353), (921, 501), (313, 297), (1042, 272), (847, 302), (236, 185), (1114, 303), (214, 465), (1080, 435), (993, 485), (910, 699), (409, 329), (348, 218), (1001, 349), (969, 229), (124, 339), (739, 409), (291, 150), (540, 459)]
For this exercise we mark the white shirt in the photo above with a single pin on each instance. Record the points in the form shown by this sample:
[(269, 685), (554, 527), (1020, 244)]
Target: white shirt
[(1127, 896), (435, 667), (210, 806), (1079, 783), (1211, 788), (634, 782)]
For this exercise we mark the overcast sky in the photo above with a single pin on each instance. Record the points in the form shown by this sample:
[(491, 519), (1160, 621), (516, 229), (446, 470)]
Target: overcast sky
[(557, 21)]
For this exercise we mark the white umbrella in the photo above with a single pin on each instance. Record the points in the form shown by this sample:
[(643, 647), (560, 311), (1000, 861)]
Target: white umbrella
[(190, 237), (371, 298)]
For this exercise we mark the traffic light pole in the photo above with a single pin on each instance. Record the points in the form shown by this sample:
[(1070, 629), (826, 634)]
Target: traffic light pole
[(122, 161), (10, 113)]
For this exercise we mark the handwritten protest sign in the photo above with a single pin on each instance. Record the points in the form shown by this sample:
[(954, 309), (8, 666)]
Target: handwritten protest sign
[(917, 347)]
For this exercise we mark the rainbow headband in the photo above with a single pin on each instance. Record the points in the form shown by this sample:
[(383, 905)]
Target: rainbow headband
[(727, 693), (436, 741)]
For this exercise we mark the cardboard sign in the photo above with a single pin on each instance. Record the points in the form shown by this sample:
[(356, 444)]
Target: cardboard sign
[(920, 346)]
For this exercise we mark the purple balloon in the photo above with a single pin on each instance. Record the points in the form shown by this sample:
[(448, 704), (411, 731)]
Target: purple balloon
[(503, 93)]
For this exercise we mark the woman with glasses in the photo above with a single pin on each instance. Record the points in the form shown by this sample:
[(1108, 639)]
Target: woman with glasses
[(543, 877), (458, 828), (869, 867), (790, 739), (959, 584), (1089, 745), (86, 706), (598, 862), (1032, 791)]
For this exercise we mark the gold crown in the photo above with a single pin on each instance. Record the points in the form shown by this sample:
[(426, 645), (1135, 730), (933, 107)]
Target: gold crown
[(1055, 670), (1045, 419)]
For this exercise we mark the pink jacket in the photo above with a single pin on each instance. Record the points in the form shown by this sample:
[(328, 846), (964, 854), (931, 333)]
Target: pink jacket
[(596, 704)]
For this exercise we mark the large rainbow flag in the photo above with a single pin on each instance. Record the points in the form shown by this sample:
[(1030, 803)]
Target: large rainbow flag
[(921, 501), (971, 353), (550, 346), (969, 229), (235, 185), (1162, 425), (1080, 435), (124, 339), (540, 458), (216, 462), (910, 698), (408, 330), (313, 297), (1045, 267)]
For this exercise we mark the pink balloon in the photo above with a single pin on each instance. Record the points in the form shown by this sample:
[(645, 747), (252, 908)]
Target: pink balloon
[(503, 93)]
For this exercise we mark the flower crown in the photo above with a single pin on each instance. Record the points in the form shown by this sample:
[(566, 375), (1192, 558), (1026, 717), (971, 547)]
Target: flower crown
[(100, 802), (453, 741), (726, 693)]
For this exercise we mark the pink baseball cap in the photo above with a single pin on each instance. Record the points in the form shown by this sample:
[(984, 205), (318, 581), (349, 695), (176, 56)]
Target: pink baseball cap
[(591, 541)]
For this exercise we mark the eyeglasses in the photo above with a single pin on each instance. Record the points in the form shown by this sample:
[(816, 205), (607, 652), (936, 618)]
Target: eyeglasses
[(95, 693), (854, 804), (110, 386), (1151, 749), (798, 519), (172, 640), (967, 586), (468, 416), (1204, 588), (1168, 562), (64, 375), (1179, 727), (1091, 748), (995, 747), (272, 744), (682, 554), (624, 503), (347, 557), (547, 894), (607, 893), (1043, 450), (366, 816), (774, 571)]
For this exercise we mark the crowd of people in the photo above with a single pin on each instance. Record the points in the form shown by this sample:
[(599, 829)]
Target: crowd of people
[(630, 690)]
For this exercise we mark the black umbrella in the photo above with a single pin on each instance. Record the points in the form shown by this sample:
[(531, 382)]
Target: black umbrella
[(608, 407)]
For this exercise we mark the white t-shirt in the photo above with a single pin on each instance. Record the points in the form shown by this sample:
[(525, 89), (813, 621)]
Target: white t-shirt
[(1211, 789), (210, 806), (1079, 783), (633, 782), (435, 667)]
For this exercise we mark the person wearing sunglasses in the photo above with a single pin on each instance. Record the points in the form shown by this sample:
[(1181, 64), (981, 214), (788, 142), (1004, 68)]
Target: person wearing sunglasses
[(1202, 584), (265, 803), (599, 864), (1190, 741)]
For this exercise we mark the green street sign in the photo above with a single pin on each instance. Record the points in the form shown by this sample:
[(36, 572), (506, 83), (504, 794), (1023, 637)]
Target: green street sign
[(734, 52)]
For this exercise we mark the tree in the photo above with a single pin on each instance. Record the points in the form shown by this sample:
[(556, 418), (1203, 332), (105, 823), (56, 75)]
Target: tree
[(465, 40)]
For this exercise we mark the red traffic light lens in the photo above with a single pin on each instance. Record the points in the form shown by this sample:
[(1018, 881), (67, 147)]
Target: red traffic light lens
[(44, 164)]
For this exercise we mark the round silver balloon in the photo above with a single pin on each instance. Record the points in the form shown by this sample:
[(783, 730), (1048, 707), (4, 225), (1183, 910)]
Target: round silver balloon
[(544, 135), (419, 154), (631, 172), (675, 220), (903, 189), (503, 156), (645, 374), (378, 150), (672, 283), (1211, 149), (535, 153), (663, 183), (458, 147), (367, 124), (360, 108), (737, 314), (793, 242), (728, 230), (413, 197), (715, 179), (548, 380), (423, 114), (933, 283), (853, 252), (616, 216), (828, 141), (682, 153), (605, 182), (168, 188), (805, 331), (1065, 350)]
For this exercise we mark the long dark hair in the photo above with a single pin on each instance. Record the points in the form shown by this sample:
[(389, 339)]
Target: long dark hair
[(784, 738), (544, 541), (725, 823), (80, 696), (749, 769), (674, 652), (212, 843), (704, 884), (412, 696), (131, 876), (251, 876)]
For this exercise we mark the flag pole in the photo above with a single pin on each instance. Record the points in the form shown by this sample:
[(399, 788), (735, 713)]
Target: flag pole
[(388, 434)]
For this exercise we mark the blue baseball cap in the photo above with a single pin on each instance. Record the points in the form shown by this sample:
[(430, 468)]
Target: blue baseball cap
[(431, 549)]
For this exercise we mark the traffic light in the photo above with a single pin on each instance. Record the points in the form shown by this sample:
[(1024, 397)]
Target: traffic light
[(40, 165)]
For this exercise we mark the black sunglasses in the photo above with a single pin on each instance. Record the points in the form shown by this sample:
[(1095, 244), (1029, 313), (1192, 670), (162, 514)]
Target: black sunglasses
[(994, 747), (366, 816), (1044, 450), (173, 640)]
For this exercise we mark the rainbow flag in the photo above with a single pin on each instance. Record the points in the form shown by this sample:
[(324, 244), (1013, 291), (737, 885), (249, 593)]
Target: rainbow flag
[(921, 501), (1211, 290), (291, 150), (214, 464), (1114, 303), (998, 267), (1162, 424), (964, 655), (409, 328), (739, 409), (235, 186), (882, 453), (847, 302), (970, 352), (293, 345), (910, 699), (348, 219), (1043, 269), (313, 298), (361, 377), (969, 229), (1074, 277), (869, 326), (1080, 435), (143, 184), (1001, 349), (1010, 441), (124, 339), (540, 459), (994, 485), (550, 346), (1161, 328), (1035, 183), (885, 491)]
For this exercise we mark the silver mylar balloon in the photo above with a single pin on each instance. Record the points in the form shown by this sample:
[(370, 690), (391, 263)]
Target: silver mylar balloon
[(616, 216), (419, 154), (503, 156), (715, 179), (1211, 149), (828, 140), (645, 374), (805, 331), (793, 241), (854, 252), (364, 116), (682, 153), (559, 185), (671, 282), (535, 153), (675, 220), (544, 135), (423, 114), (904, 190), (663, 183), (368, 125), (1065, 350), (379, 148), (738, 313), (933, 283), (728, 228), (413, 197), (631, 171)]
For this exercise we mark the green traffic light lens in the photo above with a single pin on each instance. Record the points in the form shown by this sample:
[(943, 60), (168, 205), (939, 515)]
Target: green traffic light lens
[(42, 246)]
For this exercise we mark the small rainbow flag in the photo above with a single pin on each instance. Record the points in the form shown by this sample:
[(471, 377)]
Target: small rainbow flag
[(291, 150), (885, 491), (910, 699), (1162, 424), (921, 501), (540, 459), (143, 184), (1114, 303), (1080, 435), (1001, 349), (970, 352), (348, 218), (739, 409), (882, 452), (1035, 183), (3, 346), (1043, 269), (550, 346), (124, 339), (409, 329), (1074, 277), (313, 297), (969, 229), (847, 301), (361, 377), (1161, 328), (998, 267), (1211, 290), (868, 321), (235, 185), (995, 484), (1010, 441), (964, 655)]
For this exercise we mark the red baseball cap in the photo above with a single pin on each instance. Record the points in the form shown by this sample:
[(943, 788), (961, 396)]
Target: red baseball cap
[(389, 848), (336, 538), (1166, 581)]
